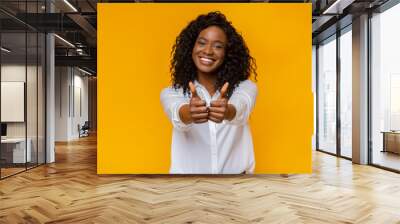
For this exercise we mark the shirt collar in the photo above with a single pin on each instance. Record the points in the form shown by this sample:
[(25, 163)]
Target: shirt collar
[(196, 83), (199, 85)]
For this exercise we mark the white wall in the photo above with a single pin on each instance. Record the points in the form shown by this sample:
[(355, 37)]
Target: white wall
[(71, 94), (81, 102), (62, 81), (12, 73)]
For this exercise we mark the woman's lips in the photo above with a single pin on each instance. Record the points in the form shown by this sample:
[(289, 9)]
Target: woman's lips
[(206, 61)]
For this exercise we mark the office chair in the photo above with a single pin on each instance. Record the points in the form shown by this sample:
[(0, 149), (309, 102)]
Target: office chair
[(84, 130)]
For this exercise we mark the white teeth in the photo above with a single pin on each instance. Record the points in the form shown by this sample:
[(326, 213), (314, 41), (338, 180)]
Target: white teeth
[(206, 60)]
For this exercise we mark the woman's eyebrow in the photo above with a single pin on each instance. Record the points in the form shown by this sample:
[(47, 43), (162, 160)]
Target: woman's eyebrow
[(219, 41), (215, 41)]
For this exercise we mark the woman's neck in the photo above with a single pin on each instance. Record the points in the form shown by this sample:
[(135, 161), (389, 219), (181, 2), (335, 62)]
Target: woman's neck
[(208, 80)]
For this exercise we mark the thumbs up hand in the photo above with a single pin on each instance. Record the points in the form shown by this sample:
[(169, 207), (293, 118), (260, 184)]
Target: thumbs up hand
[(197, 107), (219, 109), (197, 112)]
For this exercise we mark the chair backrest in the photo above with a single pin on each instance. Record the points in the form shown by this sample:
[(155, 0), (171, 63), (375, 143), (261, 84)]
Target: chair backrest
[(86, 125)]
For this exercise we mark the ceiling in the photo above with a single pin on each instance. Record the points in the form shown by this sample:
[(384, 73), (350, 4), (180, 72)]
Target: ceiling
[(76, 22), (72, 20), (329, 16)]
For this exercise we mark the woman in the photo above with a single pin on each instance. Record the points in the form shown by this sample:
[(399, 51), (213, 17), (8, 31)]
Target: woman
[(211, 99)]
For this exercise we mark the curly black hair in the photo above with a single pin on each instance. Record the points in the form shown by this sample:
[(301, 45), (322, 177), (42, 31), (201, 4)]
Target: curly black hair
[(238, 65)]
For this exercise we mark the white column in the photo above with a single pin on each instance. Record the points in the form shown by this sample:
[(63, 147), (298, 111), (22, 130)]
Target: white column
[(50, 100), (50, 92), (360, 90)]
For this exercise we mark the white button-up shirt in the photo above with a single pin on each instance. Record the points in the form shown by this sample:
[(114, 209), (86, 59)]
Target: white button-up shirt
[(211, 148)]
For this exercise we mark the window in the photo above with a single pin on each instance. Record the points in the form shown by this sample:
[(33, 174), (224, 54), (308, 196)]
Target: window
[(22, 65), (327, 95), (346, 93), (385, 88)]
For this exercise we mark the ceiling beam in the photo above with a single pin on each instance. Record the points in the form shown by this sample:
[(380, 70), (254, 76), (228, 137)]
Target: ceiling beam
[(83, 61), (84, 24)]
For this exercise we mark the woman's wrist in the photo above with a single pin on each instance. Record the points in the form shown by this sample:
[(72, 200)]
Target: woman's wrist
[(184, 114), (230, 112)]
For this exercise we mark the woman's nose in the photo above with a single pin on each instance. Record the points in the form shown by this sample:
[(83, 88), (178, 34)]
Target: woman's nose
[(208, 49)]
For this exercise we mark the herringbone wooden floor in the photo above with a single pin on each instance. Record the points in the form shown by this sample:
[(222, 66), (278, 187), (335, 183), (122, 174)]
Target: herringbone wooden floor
[(70, 191)]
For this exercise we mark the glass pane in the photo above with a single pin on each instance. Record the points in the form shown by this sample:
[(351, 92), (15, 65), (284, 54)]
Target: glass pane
[(346, 94), (23, 88), (14, 153), (327, 96), (386, 88), (314, 78)]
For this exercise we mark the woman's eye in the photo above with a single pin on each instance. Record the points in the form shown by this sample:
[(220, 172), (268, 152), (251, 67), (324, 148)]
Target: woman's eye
[(219, 46), (201, 43)]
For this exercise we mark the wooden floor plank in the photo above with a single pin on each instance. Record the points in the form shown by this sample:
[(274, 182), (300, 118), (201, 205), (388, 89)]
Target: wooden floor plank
[(70, 191)]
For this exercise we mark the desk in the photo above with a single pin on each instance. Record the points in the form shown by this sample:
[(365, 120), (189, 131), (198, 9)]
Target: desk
[(15, 148), (391, 141)]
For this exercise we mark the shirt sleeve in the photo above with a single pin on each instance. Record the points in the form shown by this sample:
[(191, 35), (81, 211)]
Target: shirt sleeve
[(172, 100), (243, 99)]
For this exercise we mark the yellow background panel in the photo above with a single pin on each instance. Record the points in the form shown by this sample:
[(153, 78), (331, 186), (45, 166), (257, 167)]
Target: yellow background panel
[(134, 46)]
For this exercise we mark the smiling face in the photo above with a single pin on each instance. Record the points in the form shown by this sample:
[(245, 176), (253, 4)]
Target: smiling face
[(209, 50)]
